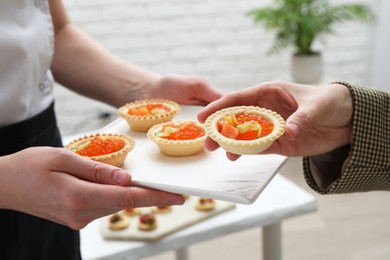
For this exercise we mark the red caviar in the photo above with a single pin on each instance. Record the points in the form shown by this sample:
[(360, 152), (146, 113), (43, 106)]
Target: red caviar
[(146, 110), (147, 218), (183, 131), (101, 146), (266, 126), (226, 127)]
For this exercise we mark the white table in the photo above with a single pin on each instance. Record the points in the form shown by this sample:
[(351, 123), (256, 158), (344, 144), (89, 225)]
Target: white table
[(279, 201)]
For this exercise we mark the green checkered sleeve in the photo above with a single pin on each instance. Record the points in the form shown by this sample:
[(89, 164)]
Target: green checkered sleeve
[(368, 165)]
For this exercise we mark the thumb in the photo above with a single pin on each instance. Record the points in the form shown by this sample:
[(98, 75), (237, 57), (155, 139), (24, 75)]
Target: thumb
[(93, 171), (297, 124)]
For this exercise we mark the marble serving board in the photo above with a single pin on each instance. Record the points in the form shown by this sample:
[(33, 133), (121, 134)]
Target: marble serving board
[(167, 223), (207, 174)]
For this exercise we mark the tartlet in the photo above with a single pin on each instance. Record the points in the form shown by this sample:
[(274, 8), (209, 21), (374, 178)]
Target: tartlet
[(147, 222), (245, 129), (162, 209), (132, 212), (205, 204), (106, 148), (118, 222), (143, 114), (181, 138)]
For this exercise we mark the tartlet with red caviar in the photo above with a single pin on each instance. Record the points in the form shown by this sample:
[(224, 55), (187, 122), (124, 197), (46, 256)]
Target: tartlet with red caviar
[(106, 148), (143, 114), (245, 129), (181, 138)]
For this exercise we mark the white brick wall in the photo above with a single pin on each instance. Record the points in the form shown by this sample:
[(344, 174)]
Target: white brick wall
[(211, 38)]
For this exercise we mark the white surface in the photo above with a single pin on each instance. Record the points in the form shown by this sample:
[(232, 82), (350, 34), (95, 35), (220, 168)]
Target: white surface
[(207, 174), (280, 200)]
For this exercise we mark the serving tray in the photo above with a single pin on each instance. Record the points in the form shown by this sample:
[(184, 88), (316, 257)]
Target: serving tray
[(167, 223), (207, 174)]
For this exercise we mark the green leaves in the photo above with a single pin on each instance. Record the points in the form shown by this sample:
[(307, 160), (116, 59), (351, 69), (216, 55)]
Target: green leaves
[(299, 23)]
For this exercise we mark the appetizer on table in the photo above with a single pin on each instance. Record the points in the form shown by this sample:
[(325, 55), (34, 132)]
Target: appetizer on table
[(147, 222), (162, 209), (118, 222), (132, 212), (205, 204)]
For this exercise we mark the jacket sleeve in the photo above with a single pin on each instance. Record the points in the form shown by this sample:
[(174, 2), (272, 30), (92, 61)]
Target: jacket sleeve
[(364, 165)]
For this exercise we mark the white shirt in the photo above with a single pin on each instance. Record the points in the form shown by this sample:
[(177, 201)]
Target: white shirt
[(26, 50)]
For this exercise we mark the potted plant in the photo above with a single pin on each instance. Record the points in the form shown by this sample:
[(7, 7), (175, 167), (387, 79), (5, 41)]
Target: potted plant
[(298, 23)]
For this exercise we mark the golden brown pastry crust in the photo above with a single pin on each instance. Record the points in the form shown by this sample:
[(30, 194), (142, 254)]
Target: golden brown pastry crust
[(162, 210), (116, 158), (178, 148), (147, 226), (245, 147), (143, 123), (118, 222), (132, 212), (206, 205)]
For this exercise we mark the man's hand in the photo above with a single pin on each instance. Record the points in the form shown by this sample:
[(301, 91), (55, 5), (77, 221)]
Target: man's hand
[(318, 118)]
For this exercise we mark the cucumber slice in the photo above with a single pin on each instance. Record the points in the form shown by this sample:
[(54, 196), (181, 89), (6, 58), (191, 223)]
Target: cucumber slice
[(167, 132), (250, 126)]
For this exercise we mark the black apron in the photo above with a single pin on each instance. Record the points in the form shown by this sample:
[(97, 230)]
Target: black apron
[(23, 236)]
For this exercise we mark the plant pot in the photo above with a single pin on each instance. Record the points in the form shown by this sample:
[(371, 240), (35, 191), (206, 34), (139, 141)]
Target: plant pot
[(307, 68)]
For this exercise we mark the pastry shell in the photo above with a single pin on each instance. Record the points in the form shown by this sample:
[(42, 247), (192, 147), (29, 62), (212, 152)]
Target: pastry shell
[(162, 210), (122, 222), (116, 158), (177, 148), (243, 146), (132, 212), (143, 123), (208, 205), (147, 226)]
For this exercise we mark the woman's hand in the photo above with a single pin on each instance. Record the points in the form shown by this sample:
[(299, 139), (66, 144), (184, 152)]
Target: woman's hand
[(189, 90), (58, 185), (318, 118)]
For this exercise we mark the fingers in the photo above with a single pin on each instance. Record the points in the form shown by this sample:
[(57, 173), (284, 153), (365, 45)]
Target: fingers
[(297, 124), (206, 93), (232, 156), (143, 197), (85, 201), (111, 197), (210, 144), (225, 101), (206, 112), (86, 169)]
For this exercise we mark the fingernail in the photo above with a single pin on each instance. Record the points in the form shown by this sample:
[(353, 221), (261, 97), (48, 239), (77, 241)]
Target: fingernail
[(178, 200), (120, 177), (294, 130)]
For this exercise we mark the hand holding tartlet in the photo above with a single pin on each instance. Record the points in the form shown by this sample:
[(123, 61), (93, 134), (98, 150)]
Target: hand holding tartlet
[(244, 129), (318, 118)]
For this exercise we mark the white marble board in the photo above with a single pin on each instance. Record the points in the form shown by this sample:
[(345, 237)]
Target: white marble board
[(207, 174), (167, 223)]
